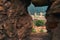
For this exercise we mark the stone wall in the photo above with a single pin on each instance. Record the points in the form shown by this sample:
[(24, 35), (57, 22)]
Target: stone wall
[(15, 22), (53, 20)]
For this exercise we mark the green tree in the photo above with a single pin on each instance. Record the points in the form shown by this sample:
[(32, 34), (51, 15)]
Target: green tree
[(39, 23)]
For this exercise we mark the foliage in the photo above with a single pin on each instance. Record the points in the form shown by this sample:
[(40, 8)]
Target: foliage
[(33, 30), (41, 30), (39, 23)]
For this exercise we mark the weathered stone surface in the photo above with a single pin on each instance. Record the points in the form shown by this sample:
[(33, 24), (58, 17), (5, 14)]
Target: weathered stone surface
[(42, 2), (15, 22), (39, 2), (53, 20)]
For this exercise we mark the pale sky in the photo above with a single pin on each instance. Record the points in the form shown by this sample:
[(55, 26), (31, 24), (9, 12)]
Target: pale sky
[(33, 9)]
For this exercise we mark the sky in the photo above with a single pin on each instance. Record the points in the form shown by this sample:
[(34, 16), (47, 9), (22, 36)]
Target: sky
[(32, 9)]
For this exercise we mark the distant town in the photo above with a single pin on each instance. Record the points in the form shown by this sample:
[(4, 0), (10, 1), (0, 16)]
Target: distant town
[(36, 17), (41, 16)]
